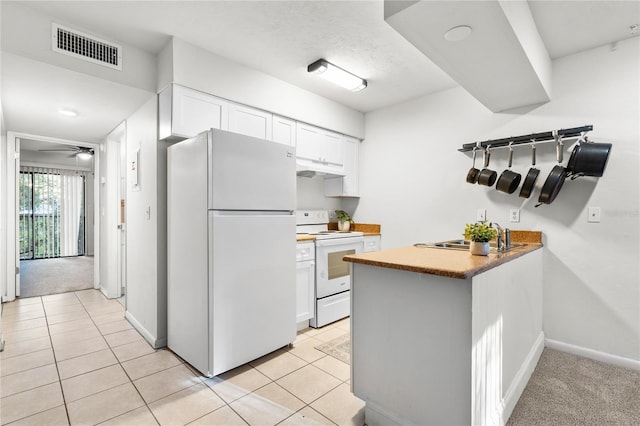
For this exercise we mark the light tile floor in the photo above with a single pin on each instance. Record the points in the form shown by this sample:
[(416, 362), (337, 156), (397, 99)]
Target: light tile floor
[(72, 358)]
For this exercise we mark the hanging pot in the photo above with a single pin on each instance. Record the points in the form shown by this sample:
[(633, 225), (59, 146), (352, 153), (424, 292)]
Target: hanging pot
[(554, 181), (552, 185), (487, 177), (472, 175), (532, 175), (509, 180), (588, 159)]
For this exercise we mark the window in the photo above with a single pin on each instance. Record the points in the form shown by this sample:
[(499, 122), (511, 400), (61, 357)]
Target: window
[(51, 213)]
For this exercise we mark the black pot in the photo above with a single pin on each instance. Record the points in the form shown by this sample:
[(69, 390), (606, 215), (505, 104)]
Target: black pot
[(532, 176), (487, 177), (472, 175), (508, 181), (588, 159), (552, 185), (529, 182)]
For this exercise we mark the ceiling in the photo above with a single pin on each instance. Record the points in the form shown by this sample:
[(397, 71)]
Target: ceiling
[(279, 38)]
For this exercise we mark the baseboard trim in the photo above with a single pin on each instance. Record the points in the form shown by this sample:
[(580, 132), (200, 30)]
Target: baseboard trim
[(593, 354), (150, 338), (103, 291), (522, 378)]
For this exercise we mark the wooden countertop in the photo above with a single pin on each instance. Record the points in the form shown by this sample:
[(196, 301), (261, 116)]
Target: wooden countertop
[(367, 229), (447, 263)]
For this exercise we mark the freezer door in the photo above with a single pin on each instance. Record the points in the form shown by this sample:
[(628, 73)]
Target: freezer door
[(247, 173), (253, 283)]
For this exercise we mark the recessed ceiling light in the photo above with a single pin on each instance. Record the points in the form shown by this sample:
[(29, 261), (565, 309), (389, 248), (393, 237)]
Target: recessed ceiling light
[(458, 33), (67, 112)]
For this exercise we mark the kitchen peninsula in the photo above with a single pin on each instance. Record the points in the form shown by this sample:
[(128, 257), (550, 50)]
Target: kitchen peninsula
[(441, 337)]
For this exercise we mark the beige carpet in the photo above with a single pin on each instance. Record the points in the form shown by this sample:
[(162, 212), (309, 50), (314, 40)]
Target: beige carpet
[(339, 348), (567, 390), (58, 275)]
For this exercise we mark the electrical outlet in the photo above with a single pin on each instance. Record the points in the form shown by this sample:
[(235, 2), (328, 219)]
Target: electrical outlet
[(481, 215), (514, 215), (593, 214)]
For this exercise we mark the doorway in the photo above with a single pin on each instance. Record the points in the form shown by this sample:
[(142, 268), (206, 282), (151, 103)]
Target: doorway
[(55, 217)]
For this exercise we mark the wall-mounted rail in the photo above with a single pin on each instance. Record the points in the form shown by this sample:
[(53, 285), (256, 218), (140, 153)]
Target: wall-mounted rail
[(543, 137)]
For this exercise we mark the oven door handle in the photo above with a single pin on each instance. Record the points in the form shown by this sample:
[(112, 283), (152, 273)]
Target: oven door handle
[(339, 241)]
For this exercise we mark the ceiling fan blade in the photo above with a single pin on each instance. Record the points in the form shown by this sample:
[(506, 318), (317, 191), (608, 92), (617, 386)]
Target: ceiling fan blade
[(58, 150)]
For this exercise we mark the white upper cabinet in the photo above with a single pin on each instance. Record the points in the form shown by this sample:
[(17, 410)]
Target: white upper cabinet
[(184, 112), (284, 130), (250, 121), (346, 186), (333, 147), (318, 145)]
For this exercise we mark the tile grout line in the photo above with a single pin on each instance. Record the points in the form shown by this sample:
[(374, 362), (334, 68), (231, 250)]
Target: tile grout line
[(119, 363), (55, 362)]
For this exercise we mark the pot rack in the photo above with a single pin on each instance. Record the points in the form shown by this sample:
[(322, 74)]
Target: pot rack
[(550, 136)]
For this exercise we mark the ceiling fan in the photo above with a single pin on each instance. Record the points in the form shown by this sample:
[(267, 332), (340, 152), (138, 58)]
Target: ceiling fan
[(80, 151)]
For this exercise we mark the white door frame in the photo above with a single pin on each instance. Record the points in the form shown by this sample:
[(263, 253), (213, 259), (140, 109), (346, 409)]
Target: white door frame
[(13, 164)]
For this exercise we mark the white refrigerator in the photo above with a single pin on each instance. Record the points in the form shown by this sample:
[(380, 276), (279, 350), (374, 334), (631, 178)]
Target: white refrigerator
[(231, 293)]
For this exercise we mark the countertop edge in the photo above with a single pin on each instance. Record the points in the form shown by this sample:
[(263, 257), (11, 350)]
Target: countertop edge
[(496, 260)]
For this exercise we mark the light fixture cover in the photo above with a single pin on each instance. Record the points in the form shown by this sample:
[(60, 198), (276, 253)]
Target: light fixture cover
[(67, 112), (458, 33), (85, 155), (337, 75)]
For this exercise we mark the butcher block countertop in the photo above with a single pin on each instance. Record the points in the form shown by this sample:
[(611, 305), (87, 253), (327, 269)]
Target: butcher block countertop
[(447, 263)]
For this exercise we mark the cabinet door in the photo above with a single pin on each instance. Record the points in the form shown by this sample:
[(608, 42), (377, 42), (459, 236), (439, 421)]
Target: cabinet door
[(284, 130), (308, 142), (347, 186), (332, 147), (194, 112), (250, 121), (305, 297)]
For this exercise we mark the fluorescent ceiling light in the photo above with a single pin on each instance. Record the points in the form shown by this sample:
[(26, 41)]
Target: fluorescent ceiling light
[(337, 75), (67, 112), (84, 155)]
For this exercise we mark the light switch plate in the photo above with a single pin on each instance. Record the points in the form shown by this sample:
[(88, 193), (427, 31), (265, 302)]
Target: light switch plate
[(481, 215), (514, 215), (593, 214)]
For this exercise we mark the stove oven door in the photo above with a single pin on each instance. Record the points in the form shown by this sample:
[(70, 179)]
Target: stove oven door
[(333, 275)]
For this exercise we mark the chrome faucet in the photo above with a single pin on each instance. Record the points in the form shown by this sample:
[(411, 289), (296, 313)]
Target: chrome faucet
[(504, 237)]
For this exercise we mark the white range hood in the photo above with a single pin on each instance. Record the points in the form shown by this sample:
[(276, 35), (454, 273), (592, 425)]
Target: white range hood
[(310, 168)]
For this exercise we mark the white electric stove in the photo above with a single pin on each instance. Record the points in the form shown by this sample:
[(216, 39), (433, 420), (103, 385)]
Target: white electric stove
[(316, 223), (333, 275)]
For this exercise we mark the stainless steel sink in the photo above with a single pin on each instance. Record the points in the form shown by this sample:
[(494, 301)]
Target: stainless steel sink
[(464, 245)]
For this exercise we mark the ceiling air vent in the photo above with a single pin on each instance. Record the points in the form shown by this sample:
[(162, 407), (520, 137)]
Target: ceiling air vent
[(83, 46)]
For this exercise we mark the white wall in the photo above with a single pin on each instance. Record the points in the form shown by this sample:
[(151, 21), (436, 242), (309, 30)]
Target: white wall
[(310, 195), (413, 184), (146, 233), (196, 68)]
